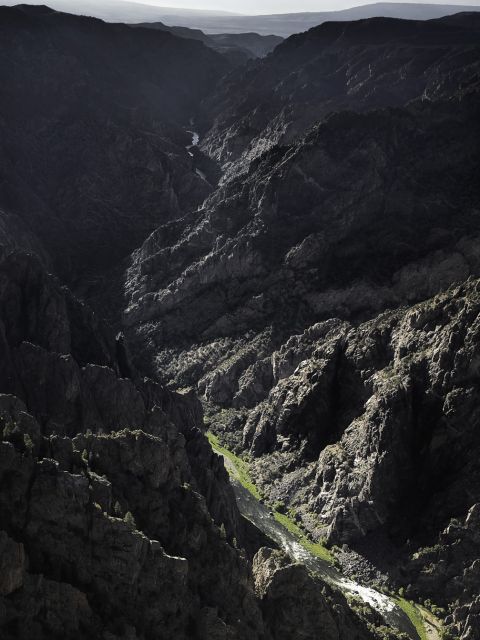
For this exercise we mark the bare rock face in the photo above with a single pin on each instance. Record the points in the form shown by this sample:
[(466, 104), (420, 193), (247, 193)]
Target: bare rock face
[(111, 499), (379, 412), (274, 253), (324, 300), (361, 65), (291, 396), (296, 605), (93, 154), (450, 570), (283, 588), (12, 564), (375, 432)]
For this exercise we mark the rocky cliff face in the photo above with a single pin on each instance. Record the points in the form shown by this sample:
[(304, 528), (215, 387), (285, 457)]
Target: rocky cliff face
[(361, 65), (117, 519), (375, 427), (402, 227), (238, 48), (287, 593), (93, 152), (324, 300), (111, 499)]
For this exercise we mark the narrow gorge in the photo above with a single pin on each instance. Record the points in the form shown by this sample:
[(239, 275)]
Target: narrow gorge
[(239, 330)]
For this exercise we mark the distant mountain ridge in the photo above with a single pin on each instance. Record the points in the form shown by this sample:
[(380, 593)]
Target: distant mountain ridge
[(120, 10), (287, 24), (238, 47), (215, 22), (335, 66)]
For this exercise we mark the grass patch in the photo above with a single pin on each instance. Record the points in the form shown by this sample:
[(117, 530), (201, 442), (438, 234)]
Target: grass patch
[(242, 474), (415, 616), (241, 467), (315, 548)]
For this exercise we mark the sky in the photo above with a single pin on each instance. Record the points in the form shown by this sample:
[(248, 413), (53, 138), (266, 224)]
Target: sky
[(282, 6)]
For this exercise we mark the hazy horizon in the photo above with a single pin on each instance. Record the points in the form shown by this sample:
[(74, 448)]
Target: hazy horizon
[(246, 7), (252, 7)]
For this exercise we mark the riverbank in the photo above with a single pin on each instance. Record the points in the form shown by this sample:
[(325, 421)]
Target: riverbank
[(238, 468), (399, 613)]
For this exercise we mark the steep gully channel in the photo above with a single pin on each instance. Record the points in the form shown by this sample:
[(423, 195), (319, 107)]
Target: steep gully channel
[(261, 516), (195, 141)]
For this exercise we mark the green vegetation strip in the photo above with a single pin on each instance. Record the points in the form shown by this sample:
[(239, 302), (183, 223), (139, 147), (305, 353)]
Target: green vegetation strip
[(415, 616), (315, 548), (241, 472), (241, 467), (243, 476)]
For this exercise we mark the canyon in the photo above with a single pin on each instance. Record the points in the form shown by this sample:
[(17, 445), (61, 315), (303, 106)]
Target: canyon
[(274, 253)]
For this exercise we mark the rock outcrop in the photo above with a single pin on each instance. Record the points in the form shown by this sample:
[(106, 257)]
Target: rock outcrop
[(271, 254), (93, 147), (449, 571), (288, 593), (384, 416), (117, 518), (324, 300), (360, 65), (238, 48)]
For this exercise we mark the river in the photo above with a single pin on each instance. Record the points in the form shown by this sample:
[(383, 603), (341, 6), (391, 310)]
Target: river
[(263, 519), (195, 139)]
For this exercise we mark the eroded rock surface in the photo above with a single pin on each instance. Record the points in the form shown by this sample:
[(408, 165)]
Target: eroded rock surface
[(111, 499), (276, 252), (378, 62), (92, 151), (288, 593), (324, 300)]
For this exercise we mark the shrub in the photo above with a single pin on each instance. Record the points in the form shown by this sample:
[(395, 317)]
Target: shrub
[(130, 520), (28, 442), (279, 506)]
